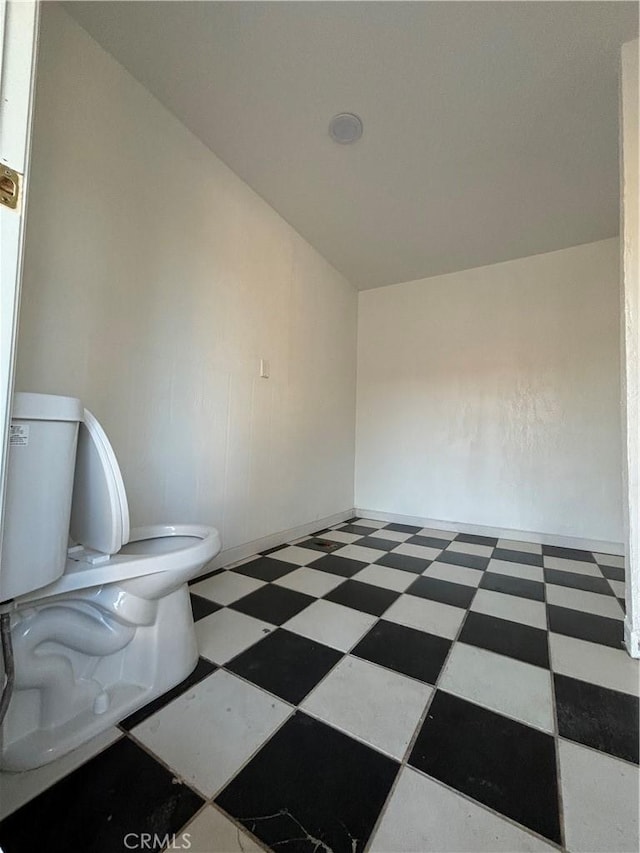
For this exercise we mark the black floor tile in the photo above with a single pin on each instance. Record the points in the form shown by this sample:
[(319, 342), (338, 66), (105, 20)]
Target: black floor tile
[(378, 543), (444, 591), (205, 577), (413, 653), (202, 670), (274, 604), (342, 566), (506, 638), (470, 561), (402, 528), (513, 586), (326, 546), (472, 539), (285, 664), (357, 529), (122, 790), (363, 596), (429, 542), (517, 557), (575, 580), (614, 573), (567, 553), (595, 716), (265, 568), (402, 561), (504, 764), (585, 626), (311, 788), (201, 607)]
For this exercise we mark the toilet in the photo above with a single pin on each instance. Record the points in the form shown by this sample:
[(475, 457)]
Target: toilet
[(101, 619)]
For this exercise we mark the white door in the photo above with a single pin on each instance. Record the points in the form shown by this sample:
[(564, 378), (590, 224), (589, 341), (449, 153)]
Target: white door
[(18, 48), (630, 227)]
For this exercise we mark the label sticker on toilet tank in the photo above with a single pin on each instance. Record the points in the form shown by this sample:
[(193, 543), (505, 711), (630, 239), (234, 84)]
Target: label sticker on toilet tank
[(19, 435)]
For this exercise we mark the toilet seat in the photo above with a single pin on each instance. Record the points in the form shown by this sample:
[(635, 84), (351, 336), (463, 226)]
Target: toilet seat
[(199, 544)]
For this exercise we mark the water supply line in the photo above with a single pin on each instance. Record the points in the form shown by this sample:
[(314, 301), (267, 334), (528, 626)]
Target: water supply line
[(7, 660)]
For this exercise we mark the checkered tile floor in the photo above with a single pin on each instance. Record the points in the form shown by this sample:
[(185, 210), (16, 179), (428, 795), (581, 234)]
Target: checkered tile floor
[(374, 687)]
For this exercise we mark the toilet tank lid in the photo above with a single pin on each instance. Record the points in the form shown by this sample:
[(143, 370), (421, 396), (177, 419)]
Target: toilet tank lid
[(45, 407), (99, 509)]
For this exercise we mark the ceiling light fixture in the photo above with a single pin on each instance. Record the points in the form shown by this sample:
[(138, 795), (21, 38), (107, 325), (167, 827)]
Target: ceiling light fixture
[(345, 128)]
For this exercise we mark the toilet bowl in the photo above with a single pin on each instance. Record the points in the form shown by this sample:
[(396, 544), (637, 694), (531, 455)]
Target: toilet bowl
[(114, 630)]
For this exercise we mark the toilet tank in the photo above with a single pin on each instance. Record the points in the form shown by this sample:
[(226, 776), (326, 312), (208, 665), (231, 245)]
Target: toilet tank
[(42, 455)]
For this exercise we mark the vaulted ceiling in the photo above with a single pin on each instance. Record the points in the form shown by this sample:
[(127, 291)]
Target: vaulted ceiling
[(490, 128)]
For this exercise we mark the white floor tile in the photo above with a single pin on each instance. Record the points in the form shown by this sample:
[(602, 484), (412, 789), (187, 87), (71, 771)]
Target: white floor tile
[(518, 545), (610, 560), (455, 574), (509, 686), (226, 633), (420, 551), (426, 615), (385, 577), (600, 801), (391, 535), (16, 789), (374, 704), (603, 665), (437, 533), (618, 588), (585, 602), (510, 607), (578, 566), (296, 555), (226, 587), (370, 522), (425, 816), (341, 536), (357, 552), (471, 548), (310, 581), (213, 832), (332, 624), (237, 718), (516, 570)]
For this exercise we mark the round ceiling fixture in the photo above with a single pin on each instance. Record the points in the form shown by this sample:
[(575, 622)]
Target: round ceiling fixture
[(345, 128)]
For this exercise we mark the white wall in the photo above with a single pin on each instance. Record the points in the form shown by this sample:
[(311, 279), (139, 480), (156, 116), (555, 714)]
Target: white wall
[(630, 308), (491, 396), (154, 282)]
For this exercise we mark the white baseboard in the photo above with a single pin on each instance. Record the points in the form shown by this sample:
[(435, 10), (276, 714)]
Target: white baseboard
[(248, 549), (598, 545), (631, 639), (241, 552)]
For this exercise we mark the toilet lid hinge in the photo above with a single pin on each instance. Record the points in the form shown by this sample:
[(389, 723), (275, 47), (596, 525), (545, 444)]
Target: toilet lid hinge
[(80, 554)]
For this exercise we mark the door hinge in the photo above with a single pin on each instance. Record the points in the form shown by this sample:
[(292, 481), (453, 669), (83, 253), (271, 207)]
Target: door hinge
[(10, 182)]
